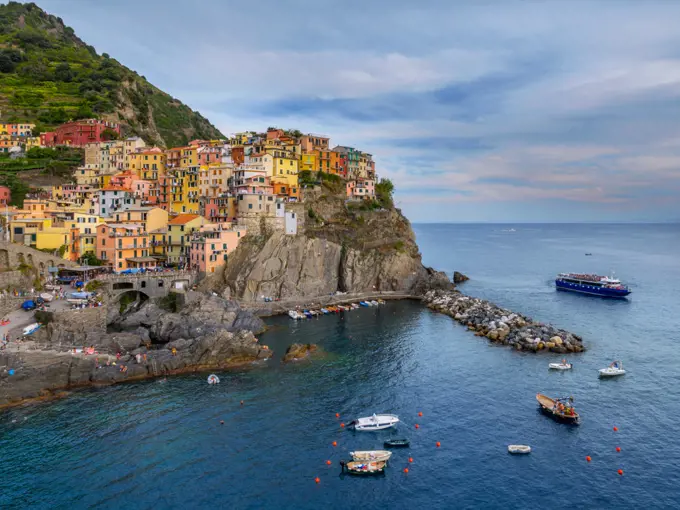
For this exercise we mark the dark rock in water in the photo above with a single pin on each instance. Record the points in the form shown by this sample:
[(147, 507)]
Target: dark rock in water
[(298, 351), (459, 277)]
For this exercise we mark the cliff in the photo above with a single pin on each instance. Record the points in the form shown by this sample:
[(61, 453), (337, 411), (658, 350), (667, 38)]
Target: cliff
[(352, 248), (48, 76)]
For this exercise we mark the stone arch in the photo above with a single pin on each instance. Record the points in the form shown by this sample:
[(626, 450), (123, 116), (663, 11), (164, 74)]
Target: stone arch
[(4, 259), (131, 299), (20, 258), (123, 286), (29, 259), (142, 284), (41, 266)]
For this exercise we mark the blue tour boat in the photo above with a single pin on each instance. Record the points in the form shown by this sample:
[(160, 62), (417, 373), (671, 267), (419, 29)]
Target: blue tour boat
[(593, 284)]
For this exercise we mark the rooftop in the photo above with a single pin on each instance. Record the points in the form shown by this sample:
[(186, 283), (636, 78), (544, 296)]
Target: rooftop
[(183, 219)]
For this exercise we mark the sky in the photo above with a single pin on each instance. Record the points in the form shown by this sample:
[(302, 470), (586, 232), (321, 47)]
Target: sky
[(489, 111)]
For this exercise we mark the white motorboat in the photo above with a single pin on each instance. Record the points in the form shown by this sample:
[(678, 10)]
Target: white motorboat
[(375, 422), (47, 297), (374, 303), (213, 379), (614, 369), (519, 448), (32, 328), (563, 365), (294, 315), (371, 456)]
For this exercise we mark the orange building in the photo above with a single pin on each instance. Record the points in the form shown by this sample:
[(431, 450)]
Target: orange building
[(124, 246)]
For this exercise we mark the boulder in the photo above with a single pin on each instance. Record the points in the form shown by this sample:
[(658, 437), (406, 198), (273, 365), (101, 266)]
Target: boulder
[(459, 277), (556, 340), (298, 351)]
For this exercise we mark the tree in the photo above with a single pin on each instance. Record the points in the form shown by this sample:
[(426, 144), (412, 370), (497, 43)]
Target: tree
[(109, 134), (63, 72), (384, 190)]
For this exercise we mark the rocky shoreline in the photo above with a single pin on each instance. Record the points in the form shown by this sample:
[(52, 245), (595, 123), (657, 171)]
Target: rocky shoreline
[(502, 326)]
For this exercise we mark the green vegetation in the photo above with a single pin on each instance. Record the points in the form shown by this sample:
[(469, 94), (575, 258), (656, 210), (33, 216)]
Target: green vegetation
[(383, 192), (93, 285), (170, 302), (90, 259), (49, 76), (25, 269)]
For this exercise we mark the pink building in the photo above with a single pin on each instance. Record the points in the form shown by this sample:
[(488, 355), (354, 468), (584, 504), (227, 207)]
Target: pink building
[(5, 195), (360, 189), (212, 244), (209, 155)]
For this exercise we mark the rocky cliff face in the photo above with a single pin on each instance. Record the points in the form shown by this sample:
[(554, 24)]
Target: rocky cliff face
[(341, 249)]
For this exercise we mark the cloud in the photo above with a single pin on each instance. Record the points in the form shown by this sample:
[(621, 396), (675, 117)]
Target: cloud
[(477, 110)]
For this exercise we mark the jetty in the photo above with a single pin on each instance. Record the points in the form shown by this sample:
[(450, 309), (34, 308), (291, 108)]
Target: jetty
[(502, 326)]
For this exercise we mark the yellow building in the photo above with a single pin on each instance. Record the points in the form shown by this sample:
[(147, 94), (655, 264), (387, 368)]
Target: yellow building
[(178, 239), (87, 175), (153, 218), (52, 238), (148, 164), (308, 163), (32, 141), (25, 230), (189, 157)]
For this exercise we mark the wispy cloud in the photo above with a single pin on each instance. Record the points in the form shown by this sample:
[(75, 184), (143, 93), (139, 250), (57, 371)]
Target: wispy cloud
[(477, 110)]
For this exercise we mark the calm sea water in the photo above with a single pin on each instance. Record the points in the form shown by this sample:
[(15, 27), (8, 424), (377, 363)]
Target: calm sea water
[(153, 445)]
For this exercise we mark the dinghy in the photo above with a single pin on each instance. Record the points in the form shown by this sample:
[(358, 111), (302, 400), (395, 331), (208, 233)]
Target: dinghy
[(371, 456), (363, 303), (397, 443), (563, 365), (293, 314), (363, 469), (375, 422), (28, 330), (519, 448), (213, 379), (47, 297), (614, 369)]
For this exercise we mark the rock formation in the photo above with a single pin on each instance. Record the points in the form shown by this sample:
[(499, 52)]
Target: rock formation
[(459, 277), (503, 326), (298, 351)]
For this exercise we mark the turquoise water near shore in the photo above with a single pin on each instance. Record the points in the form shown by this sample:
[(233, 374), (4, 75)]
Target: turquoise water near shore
[(161, 445)]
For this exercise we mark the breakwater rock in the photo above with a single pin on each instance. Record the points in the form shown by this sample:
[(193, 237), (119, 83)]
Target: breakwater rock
[(502, 326), (298, 351)]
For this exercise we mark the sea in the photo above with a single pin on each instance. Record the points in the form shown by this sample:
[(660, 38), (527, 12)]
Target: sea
[(181, 443)]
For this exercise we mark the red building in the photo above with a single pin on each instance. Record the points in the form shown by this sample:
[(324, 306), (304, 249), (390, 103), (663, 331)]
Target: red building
[(78, 133), (5, 195)]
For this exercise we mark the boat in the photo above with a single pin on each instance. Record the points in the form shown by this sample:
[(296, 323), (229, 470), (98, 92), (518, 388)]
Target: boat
[(374, 303), (213, 379), (595, 285), (31, 328), (560, 409), (363, 468), (324, 311), (381, 301), (307, 314), (4, 322), (363, 303), (371, 456), (293, 314), (519, 448), (397, 443), (562, 365), (47, 297), (375, 422), (614, 369)]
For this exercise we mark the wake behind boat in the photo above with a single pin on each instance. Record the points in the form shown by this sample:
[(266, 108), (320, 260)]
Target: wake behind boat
[(595, 285), (375, 422)]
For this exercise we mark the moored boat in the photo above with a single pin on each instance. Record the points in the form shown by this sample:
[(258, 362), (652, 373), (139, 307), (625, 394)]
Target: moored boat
[(324, 311), (363, 303), (364, 468), (560, 409), (294, 315), (592, 284), (371, 455), (374, 303), (614, 369), (213, 379), (521, 449), (397, 443), (30, 329), (375, 422), (563, 365)]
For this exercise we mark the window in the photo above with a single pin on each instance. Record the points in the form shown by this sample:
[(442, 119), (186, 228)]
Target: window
[(250, 206), (120, 265)]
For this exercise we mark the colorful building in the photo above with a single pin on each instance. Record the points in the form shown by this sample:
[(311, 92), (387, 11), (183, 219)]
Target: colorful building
[(211, 245), (179, 233), (115, 198), (360, 189), (5, 196), (79, 133), (124, 245), (22, 129)]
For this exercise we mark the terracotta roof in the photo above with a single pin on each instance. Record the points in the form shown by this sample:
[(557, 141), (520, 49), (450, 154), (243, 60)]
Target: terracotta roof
[(183, 219)]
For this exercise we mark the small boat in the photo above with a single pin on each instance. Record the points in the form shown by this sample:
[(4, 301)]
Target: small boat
[(213, 379), (519, 448), (307, 314), (324, 311), (363, 303), (371, 456), (47, 297), (293, 314), (363, 468), (375, 422), (381, 301), (374, 303), (560, 409), (614, 369), (30, 329), (397, 443), (4, 322), (563, 365)]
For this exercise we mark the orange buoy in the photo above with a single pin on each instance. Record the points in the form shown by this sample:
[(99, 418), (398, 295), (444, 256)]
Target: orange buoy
[(405, 470), (438, 444), (337, 415), (588, 458), (410, 459), (618, 448), (328, 462), (620, 471), (420, 413), (616, 429), (317, 479), (417, 426), (342, 425), (335, 443)]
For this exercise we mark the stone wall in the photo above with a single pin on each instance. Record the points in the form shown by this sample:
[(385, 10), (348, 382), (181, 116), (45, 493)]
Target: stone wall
[(15, 280), (9, 304), (12, 255)]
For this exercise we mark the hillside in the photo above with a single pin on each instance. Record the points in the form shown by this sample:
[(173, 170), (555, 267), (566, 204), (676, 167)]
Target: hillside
[(48, 76)]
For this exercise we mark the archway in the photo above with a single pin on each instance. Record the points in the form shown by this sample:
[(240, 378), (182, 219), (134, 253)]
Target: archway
[(131, 301), (21, 259), (123, 285), (29, 260)]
